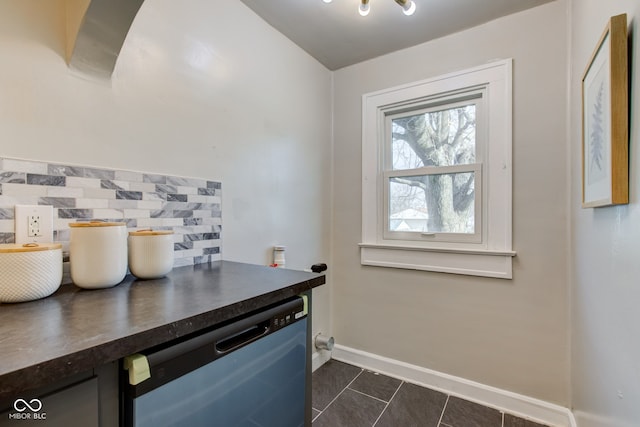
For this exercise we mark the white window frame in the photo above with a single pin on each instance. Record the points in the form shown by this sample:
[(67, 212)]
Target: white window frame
[(430, 104), (490, 252)]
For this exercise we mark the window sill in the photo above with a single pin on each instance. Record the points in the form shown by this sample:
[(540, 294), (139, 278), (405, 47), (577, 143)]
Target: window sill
[(477, 262)]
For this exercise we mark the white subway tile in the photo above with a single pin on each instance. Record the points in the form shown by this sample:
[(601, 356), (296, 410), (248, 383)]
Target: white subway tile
[(187, 190), (172, 222), (92, 203), (142, 186), (73, 193), (193, 229), (123, 204), (150, 204), (107, 214), (201, 214), (150, 222), (210, 199), (195, 198), (11, 201), (14, 165), (99, 193), (136, 213), (23, 190), (7, 226), (129, 176), (80, 182)]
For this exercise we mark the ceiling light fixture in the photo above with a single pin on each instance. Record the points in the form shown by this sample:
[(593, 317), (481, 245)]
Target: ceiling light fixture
[(408, 6), (364, 7)]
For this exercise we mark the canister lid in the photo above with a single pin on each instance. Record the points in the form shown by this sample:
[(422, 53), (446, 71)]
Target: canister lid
[(150, 232), (97, 224), (28, 247)]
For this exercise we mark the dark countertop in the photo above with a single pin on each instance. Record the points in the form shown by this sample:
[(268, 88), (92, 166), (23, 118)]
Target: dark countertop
[(75, 330)]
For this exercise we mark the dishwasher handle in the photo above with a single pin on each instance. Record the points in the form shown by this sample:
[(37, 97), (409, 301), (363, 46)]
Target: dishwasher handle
[(236, 340), (249, 329)]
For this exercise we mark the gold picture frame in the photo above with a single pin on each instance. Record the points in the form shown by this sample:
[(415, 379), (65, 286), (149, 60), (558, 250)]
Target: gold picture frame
[(605, 120)]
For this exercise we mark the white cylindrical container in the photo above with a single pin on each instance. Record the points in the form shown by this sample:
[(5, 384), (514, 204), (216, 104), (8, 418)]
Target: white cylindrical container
[(150, 253), (30, 271), (278, 256), (98, 253)]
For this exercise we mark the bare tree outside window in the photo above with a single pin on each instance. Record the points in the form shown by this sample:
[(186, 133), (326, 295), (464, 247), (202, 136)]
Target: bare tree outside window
[(435, 202)]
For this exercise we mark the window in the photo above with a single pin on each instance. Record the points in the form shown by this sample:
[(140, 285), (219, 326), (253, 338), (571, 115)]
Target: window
[(431, 170), (437, 174)]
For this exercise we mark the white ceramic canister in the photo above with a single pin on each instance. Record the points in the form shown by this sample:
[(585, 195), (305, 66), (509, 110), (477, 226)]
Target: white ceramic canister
[(30, 271), (98, 253), (150, 253)]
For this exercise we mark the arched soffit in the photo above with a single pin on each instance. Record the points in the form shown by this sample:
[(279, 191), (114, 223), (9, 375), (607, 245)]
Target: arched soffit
[(101, 35)]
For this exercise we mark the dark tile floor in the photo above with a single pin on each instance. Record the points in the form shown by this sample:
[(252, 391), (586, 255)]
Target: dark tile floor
[(347, 396)]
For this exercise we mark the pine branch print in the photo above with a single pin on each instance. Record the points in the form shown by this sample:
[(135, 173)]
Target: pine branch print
[(596, 138)]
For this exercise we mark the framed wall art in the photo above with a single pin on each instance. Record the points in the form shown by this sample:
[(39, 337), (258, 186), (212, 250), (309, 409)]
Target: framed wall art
[(605, 129)]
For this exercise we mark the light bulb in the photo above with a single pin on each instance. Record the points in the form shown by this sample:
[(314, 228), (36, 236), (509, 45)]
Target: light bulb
[(409, 8), (363, 9), (327, 1)]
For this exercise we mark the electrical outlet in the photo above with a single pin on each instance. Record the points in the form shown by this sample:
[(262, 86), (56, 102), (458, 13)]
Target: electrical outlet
[(33, 226), (33, 223)]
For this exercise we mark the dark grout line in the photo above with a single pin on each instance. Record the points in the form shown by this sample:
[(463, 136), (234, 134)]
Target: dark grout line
[(338, 395), (368, 395), (387, 405)]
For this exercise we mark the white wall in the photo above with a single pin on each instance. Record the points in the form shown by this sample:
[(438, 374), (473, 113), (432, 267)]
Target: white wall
[(511, 334), (605, 245), (202, 89)]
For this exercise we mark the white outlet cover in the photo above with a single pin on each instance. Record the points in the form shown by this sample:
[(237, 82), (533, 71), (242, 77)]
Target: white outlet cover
[(21, 216)]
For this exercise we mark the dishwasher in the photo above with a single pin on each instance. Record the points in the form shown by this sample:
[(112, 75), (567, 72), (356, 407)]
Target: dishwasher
[(250, 372)]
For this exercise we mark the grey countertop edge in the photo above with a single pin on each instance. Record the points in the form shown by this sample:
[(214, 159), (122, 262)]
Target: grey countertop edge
[(49, 370)]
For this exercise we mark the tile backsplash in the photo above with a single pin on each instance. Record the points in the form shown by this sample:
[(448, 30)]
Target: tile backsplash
[(190, 207)]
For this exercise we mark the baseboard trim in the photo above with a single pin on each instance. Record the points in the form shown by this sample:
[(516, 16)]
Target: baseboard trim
[(503, 400)]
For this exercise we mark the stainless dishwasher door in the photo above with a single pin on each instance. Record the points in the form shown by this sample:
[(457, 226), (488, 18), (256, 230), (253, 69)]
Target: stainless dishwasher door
[(257, 377)]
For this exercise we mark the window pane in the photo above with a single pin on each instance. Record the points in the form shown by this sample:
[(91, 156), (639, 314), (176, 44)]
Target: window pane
[(438, 203), (435, 138)]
